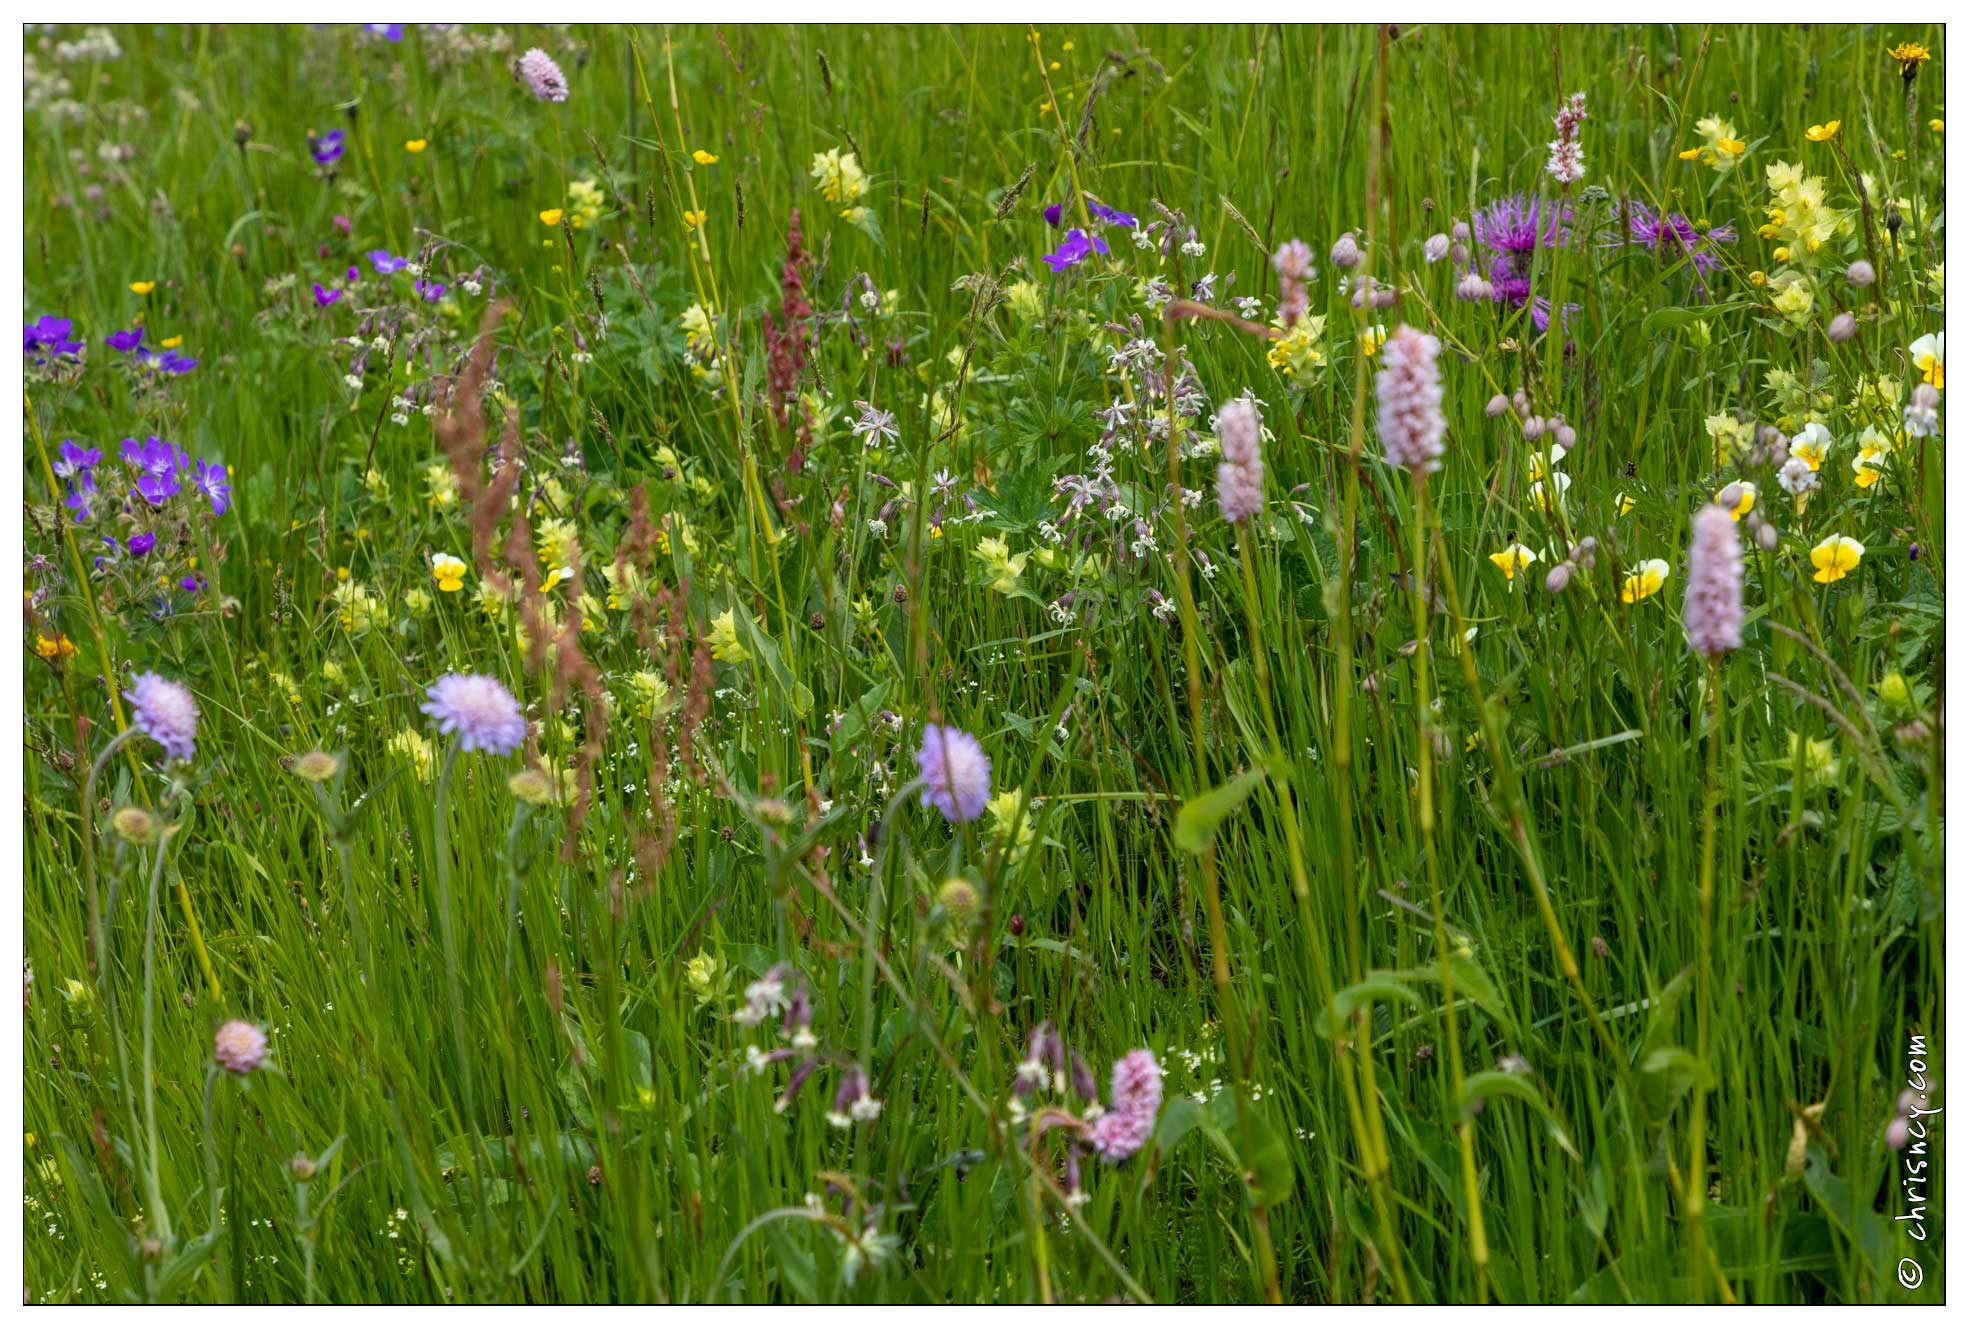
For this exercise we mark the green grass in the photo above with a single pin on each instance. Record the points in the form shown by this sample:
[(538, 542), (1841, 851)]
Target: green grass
[(1445, 1009)]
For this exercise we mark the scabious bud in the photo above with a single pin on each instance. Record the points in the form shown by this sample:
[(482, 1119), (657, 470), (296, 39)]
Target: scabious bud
[(314, 767), (1241, 475), (1842, 327), (1860, 273), (1713, 604), (1410, 399), (134, 825)]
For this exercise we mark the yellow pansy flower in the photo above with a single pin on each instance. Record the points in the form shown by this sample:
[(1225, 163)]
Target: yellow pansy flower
[(1623, 503), (1926, 353), (1811, 444), (1746, 499), (1648, 577), (448, 571), (1372, 339), (1513, 559), (1834, 557), (1866, 471)]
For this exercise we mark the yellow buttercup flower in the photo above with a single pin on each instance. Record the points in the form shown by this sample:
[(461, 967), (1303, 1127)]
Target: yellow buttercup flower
[(1513, 559), (58, 647), (1648, 577), (1935, 125), (703, 158), (551, 217), (448, 571), (1834, 557), (1690, 154), (143, 287), (1820, 133), (172, 343), (693, 220), (416, 145)]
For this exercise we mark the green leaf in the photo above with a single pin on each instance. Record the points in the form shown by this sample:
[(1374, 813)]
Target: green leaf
[(1196, 824), (766, 650), (1496, 1084), (1349, 1000)]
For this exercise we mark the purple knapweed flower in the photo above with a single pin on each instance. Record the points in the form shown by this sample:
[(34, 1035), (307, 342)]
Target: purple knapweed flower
[(164, 711), (1512, 229), (956, 773), (1673, 236), (543, 77), (479, 710), (1073, 249), (1712, 607), (326, 149), (239, 1047), (125, 342), (1241, 475), (1409, 396), (1129, 1121)]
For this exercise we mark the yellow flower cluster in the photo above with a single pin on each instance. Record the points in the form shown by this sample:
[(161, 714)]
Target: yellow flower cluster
[(1720, 148), (841, 180), (357, 609), (1298, 354), (1800, 221), (585, 202)]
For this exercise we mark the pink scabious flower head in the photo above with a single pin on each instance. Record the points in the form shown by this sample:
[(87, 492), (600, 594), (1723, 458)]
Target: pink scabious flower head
[(1410, 401), (1129, 1121), (239, 1047), (1567, 162), (164, 711), (1241, 475), (956, 773), (479, 710), (1712, 608), (543, 77)]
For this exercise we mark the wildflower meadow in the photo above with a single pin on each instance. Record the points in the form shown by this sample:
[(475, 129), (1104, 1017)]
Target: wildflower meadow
[(983, 664)]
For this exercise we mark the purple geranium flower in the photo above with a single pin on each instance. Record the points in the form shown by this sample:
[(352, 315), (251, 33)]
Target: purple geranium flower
[(1074, 249), (389, 32), (324, 297), (1102, 212), (81, 497), (72, 460), (431, 291), (51, 334), (327, 149), (142, 543), (1053, 214), (155, 489), (385, 263), (154, 456), (125, 341), (211, 480), (173, 363)]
